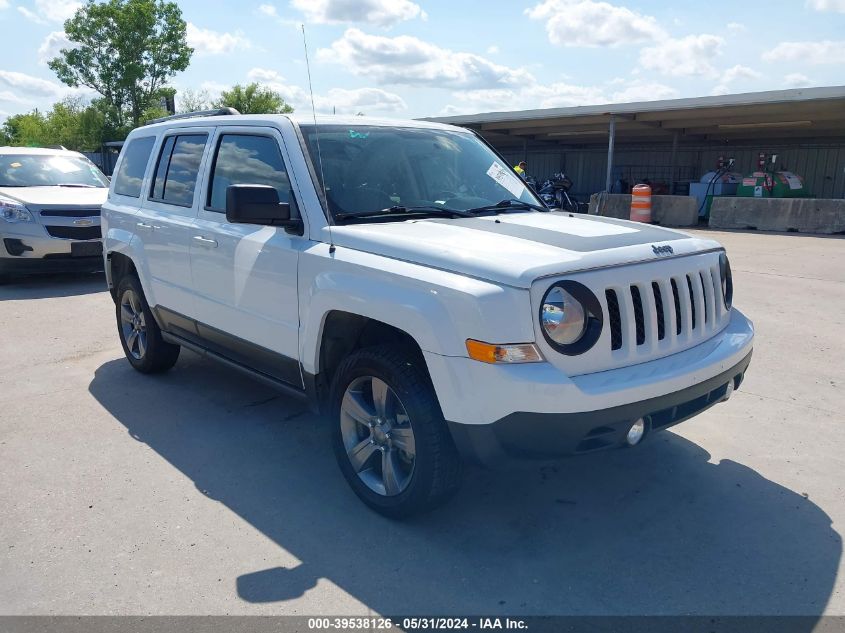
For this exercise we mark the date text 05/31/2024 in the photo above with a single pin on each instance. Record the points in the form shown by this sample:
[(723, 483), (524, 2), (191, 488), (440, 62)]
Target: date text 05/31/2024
[(414, 624)]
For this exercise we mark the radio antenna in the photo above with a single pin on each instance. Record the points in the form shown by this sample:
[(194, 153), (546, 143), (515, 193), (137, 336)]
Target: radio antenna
[(317, 142)]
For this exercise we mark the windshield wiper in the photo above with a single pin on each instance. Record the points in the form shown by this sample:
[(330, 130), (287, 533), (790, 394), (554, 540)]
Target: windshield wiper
[(76, 184), (400, 210), (502, 206)]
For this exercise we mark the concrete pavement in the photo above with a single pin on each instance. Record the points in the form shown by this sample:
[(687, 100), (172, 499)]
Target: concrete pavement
[(201, 492)]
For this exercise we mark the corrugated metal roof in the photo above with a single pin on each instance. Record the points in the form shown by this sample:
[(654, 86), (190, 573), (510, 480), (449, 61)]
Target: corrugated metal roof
[(804, 112)]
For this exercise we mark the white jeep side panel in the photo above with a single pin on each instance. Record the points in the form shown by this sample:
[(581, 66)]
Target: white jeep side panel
[(438, 309)]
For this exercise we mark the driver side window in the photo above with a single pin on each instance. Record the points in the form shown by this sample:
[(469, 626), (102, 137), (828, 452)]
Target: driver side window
[(244, 159)]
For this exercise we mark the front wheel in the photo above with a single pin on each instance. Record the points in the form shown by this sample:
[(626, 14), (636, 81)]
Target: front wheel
[(390, 438), (140, 335)]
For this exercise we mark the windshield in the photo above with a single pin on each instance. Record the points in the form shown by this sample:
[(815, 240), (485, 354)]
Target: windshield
[(368, 168), (45, 170)]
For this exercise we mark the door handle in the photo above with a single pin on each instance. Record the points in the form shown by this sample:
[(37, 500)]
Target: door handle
[(205, 242), (144, 226)]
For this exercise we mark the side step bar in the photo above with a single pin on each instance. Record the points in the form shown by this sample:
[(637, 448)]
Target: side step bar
[(257, 375)]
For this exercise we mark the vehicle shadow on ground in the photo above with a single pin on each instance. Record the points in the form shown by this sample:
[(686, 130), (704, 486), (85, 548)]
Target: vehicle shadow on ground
[(654, 530), (53, 286)]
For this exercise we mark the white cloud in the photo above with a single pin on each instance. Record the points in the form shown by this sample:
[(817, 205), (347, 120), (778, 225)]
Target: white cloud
[(692, 55), (827, 5), (734, 74), (208, 42), (50, 10), (735, 28), (31, 15), (556, 95), (24, 85), (10, 97), (493, 50), (4, 4), (366, 99), (409, 60), (816, 53), (342, 100), (797, 80), (589, 23), (384, 13), (52, 44), (738, 72), (644, 91), (269, 10)]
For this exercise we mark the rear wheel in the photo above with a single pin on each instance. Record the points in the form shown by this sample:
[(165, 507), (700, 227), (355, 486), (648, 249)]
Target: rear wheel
[(390, 439), (140, 335)]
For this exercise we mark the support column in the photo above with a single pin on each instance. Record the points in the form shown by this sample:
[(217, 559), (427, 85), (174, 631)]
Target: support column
[(611, 139), (673, 163)]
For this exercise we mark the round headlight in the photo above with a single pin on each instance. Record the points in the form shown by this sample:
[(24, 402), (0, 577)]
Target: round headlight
[(727, 280), (563, 317)]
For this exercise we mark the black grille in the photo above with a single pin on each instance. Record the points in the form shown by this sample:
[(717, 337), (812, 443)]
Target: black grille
[(614, 318), (75, 232), (70, 213), (676, 297), (658, 304), (638, 314), (691, 300)]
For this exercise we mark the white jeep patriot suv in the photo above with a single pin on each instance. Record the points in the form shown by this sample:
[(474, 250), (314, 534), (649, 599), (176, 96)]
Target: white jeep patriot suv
[(403, 279)]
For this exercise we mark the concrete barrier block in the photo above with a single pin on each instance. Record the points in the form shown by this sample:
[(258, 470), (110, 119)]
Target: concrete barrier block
[(665, 210), (805, 215)]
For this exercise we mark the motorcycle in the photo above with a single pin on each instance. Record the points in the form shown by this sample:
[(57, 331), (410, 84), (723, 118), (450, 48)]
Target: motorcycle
[(555, 194)]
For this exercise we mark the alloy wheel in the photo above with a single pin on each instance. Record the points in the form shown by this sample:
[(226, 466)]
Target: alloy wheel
[(377, 436), (133, 325)]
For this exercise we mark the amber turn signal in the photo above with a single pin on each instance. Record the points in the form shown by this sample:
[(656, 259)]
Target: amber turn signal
[(489, 353)]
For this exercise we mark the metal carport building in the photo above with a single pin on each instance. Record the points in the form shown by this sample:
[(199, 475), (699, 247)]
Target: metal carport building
[(676, 141)]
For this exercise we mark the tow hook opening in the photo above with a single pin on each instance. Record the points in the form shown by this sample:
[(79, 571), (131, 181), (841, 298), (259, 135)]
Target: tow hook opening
[(637, 431)]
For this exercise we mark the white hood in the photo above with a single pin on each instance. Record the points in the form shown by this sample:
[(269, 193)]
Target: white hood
[(57, 196), (517, 248)]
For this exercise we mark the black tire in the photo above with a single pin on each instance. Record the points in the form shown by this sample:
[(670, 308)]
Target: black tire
[(156, 355), (436, 472)]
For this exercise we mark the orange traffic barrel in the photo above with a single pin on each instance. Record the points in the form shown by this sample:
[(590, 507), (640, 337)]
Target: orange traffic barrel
[(641, 204)]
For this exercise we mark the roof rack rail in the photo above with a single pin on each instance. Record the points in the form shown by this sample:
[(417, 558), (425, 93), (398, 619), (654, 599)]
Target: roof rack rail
[(191, 115)]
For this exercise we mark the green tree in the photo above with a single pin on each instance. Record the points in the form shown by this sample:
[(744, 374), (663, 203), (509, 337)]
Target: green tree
[(192, 101), (253, 99), (68, 123), (126, 50), (75, 126), (28, 129)]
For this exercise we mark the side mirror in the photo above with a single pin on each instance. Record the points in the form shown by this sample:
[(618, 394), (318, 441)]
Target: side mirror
[(259, 204)]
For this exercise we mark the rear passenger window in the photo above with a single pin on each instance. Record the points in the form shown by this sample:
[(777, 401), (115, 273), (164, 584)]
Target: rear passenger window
[(246, 160), (130, 174), (177, 169)]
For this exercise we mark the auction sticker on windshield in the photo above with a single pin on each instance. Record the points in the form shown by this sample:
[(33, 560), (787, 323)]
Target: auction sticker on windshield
[(506, 178)]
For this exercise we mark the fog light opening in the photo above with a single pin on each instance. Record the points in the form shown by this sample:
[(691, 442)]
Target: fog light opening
[(636, 433), (729, 389)]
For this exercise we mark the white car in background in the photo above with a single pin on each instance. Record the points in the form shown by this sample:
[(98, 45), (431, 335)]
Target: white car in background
[(49, 211)]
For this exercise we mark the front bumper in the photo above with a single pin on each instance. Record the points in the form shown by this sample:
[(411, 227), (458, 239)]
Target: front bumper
[(25, 253), (501, 401), (543, 435)]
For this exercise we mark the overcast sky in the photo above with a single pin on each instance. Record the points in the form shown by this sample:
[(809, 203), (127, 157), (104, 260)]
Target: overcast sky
[(401, 58)]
